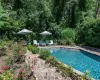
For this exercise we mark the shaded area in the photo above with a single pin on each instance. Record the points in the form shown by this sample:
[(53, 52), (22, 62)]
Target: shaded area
[(93, 56)]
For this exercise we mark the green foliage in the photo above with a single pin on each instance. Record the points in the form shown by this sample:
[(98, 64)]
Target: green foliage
[(7, 75), (52, 61), (44, 54), (65, 70), (9, 24), (68, 35), (85, 76), (5, 43), (16, 55), (3, 51), (34, 49), (4, 46), (29, 47), (54, 16), (89, 32)]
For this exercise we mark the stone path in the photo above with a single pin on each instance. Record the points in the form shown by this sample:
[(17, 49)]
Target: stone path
[(42, 71)]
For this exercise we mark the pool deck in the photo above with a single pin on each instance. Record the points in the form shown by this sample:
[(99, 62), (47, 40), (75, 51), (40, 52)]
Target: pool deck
[(85, 48)]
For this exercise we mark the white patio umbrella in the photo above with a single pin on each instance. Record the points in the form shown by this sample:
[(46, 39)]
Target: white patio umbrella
[(24, 31), (45, 33)]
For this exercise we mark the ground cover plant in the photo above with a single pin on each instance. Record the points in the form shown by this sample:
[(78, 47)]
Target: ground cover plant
[(66, 70)]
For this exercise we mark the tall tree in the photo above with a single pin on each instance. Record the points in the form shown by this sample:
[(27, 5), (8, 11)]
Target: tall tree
[(98, 8)]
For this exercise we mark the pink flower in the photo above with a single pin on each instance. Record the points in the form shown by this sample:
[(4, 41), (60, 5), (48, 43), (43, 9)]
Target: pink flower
[(35, 58), (24, 56), (29, 57), (21, 70), (0, 67), (20, 75), (32, 61), (32, 67), (1, 71), (5, 67)]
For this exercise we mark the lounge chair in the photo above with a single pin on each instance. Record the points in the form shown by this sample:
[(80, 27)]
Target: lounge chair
[(51, 42), (41, 43), (35, 42), (47, 42)]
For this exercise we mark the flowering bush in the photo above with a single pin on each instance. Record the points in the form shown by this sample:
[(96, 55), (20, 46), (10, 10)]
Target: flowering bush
[(5, 67), (17, 55), (19, 48), (20, 75)]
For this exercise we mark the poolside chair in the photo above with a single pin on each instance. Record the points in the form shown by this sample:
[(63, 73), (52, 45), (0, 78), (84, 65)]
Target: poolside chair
[(51, 42), (35, 42), (41, 43), (47, 42)]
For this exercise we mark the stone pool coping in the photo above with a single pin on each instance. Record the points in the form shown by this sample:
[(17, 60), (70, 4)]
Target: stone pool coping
[(74, 47)]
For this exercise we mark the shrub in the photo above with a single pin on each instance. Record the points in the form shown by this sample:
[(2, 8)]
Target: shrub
[(44, 54), (5, 43), (18, 48), (68, 35), (17, 55), (7, 75), (65, 42), (52, 61), (34, 49), (20, 75), (29, 47), (61, 42), (3, 51)]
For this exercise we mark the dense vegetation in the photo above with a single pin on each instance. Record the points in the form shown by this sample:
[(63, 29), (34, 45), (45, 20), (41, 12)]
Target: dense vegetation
[(52, 15)]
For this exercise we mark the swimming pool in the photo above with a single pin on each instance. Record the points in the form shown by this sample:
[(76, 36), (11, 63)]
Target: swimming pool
[(79, 60)]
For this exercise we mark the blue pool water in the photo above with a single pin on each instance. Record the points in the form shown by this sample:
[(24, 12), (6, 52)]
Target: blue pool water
[(80, 60)]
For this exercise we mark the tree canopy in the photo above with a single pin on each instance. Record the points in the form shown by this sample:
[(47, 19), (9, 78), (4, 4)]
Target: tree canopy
[(53, 15)]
